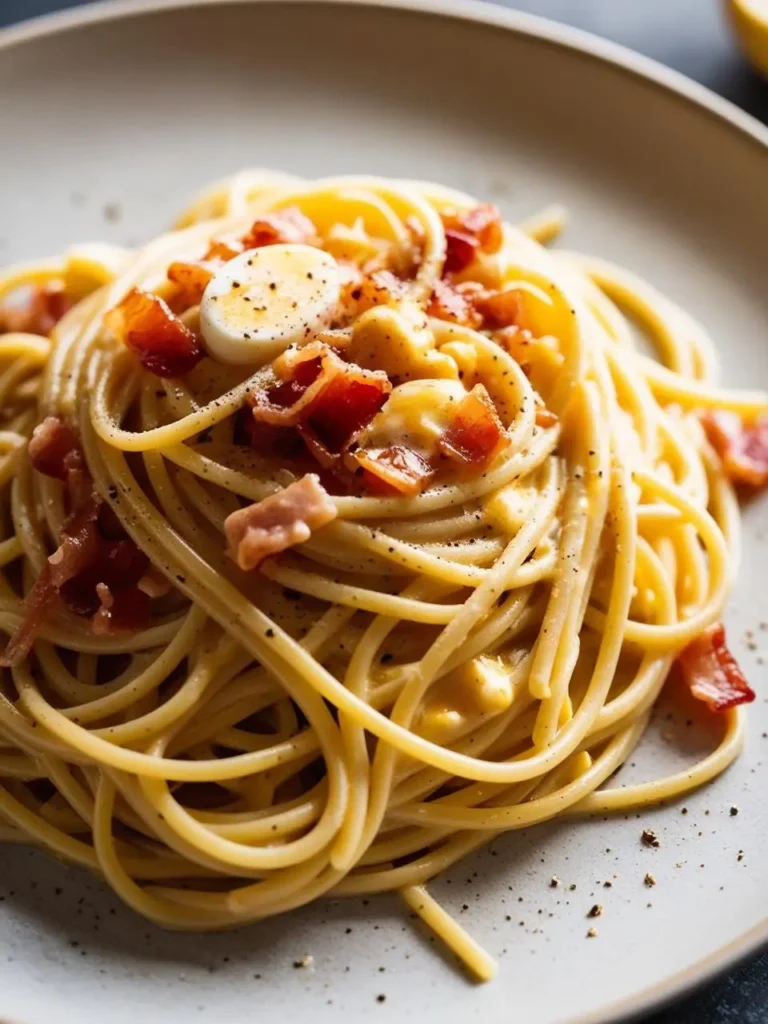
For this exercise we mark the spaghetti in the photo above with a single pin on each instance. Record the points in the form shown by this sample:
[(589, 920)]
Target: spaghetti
[(327, 624)]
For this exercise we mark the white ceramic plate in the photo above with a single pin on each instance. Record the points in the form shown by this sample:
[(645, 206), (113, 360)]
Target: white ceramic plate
[(110, 117)]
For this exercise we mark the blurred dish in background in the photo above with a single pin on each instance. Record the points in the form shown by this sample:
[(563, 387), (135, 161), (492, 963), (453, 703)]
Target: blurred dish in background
[(750, 21)]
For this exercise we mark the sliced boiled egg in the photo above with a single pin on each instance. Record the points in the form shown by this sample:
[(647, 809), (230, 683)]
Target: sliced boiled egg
[(266, 299)]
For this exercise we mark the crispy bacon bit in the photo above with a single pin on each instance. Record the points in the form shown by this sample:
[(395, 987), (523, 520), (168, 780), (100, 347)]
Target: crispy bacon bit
[(393, 470), (465, 233), (278, 522), (484, 222), (94, 550), (116, 563), (476, 433), (35, 309), (222, 252), (711, 672), (55, 452), (79, 542), (280, 228), (327, 400), (120, 611), (448, 303), (460, 249), (191, 280), (50, 444), (146, 325), (498, 308), (743, 449)]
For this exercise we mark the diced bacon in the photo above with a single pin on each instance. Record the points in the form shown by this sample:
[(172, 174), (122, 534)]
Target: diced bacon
[(393, 470), (476, 434), (484, 222), (460, 249), (50, 444), (191, 280), (79, 543), (54, 451), (145, 324), (328, 400), (115, 563), (278, 522), (34, 309), (711, 672), (280, 228), (364, 291), (222, 252), (124, 610), (498, 308), (448, 303), (465, 233), (743, 449), (94, 549)]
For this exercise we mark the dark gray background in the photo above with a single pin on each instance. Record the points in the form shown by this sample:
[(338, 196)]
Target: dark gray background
[(690, 36)]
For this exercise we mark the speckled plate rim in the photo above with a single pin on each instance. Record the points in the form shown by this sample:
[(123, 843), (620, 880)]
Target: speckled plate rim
[(676, 86)]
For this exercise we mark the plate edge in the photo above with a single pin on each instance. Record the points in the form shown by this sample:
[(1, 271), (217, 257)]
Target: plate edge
[(635, 1006)]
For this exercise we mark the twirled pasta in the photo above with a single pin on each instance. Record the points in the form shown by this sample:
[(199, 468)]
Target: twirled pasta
[(318, 727)]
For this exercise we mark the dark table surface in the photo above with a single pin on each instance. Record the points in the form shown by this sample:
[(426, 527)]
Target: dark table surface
[(690, 36)]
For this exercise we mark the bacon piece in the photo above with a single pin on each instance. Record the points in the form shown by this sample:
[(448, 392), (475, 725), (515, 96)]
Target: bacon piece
[(743, 449), (498, 308), (50, 444), (393, 470), (281, 227), (34, 309), (54, 451), (460, 249), (476, 433), (116, 563), (465, 233), (711, 672), (484, 222), (79, 542), (191, 278), (328, 400), (278, 522), (146, 325), (94, 548), (222, 252), (124, 610), (451, 304)]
